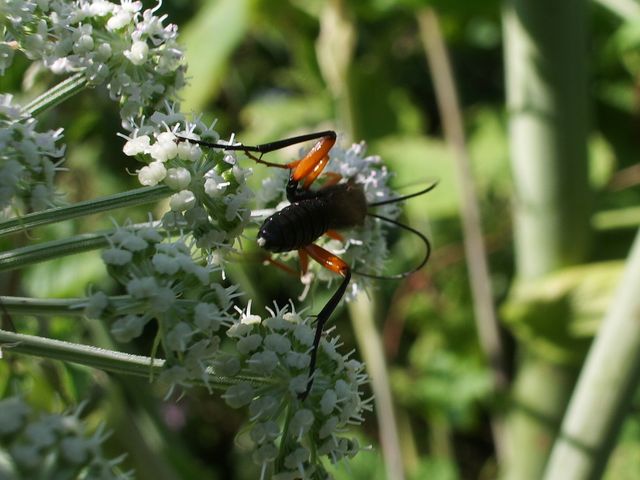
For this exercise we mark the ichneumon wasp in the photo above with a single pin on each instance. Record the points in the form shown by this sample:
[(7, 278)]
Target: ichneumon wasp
[(336, 205)]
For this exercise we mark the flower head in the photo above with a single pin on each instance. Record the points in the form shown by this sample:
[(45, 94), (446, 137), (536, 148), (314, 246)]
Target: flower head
[(119, 44), (28, 160), (34, 445)]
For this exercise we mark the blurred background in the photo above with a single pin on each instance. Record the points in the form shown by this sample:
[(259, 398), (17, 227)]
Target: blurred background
[(549, 104)]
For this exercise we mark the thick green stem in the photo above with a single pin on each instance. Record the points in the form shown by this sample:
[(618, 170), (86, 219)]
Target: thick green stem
[(130, 198), (545, 60), (606, 386), (626, 9), (58, 94), (546, 94)]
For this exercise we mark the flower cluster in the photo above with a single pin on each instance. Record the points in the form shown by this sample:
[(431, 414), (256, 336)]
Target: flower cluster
[(365, 249), (118, 44), (28, 159), (286, 431), (166, 284), (212, 198), (51, 446), (266, 360)]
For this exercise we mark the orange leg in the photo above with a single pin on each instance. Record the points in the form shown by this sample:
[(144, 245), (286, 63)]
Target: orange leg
[(278, 264), (332, 179), (317, 170), (308, 168), (327, 259), (304, 261), (315, 156), (333, 234)]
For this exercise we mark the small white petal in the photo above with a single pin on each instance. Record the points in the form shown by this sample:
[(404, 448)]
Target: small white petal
[(178, 178), (181, 201), (136, 145), (152, 174)]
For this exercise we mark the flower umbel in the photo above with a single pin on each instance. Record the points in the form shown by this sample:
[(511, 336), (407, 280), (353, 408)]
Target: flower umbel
[(121, 45), (51, 445), (290, 436), (28, 160)]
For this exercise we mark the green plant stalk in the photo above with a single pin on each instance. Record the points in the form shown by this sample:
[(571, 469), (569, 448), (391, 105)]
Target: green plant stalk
[(24, 256), (606, 385), (628, 10), (95, 357), (45, 307), (130, 198), (108, 360), (545, 59), (361, 311), (545, 50), (57, 94), (122, 304)]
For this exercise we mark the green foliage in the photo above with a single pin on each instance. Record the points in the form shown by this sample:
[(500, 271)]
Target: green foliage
[(557, 315), (253, 65)]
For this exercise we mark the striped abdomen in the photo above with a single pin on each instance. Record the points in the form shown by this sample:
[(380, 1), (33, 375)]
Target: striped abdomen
[(302, 222)]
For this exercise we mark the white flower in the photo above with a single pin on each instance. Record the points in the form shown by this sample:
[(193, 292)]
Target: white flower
[(152, 174), (116, 256), (238, 395), (183, 200), (137, 145), (178, 178), (189, 151), (128, 327), (214, 185), (61, 439), (138, 53), (165, 147)]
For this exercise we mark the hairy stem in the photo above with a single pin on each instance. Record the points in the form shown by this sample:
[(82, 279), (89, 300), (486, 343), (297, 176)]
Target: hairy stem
[(57, 94), (130, 198)]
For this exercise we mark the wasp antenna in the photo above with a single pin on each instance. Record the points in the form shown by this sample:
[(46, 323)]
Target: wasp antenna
[(404, 197), (417, 233)]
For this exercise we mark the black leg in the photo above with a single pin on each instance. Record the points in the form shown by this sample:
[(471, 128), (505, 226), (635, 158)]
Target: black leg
[(264, 147), (323, 316)]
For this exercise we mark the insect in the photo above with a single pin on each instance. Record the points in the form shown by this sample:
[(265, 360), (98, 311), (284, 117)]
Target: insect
[(311, 213)]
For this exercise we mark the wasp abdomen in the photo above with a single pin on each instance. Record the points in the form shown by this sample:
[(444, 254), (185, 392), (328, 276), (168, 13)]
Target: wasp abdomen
[(294, 227)]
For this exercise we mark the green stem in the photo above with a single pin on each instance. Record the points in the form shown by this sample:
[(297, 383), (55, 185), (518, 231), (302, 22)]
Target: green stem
[(361, 311), (108, 360), (24, 256), (546, 74), (121, 304), (130, 198), (57, 94), (606, 387), (628, 10), (103, 359), (46, 307)]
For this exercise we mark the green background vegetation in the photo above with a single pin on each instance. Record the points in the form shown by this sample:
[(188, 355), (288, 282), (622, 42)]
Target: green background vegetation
[(268, 70)]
